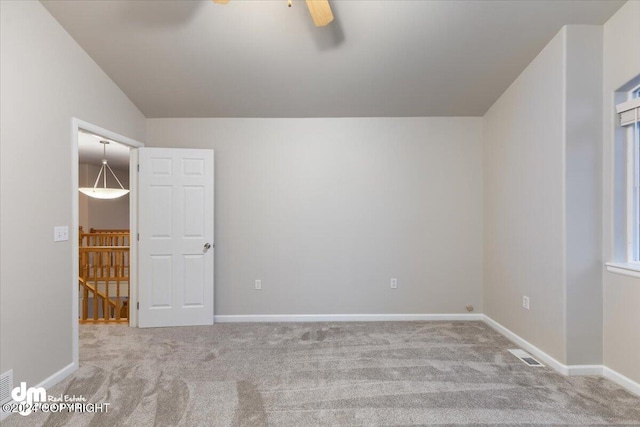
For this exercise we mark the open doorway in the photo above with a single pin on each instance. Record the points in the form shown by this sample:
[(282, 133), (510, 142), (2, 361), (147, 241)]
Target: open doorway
[(79, 127), (104, 230)]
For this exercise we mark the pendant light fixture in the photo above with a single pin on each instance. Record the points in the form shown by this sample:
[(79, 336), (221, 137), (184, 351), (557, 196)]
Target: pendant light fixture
[(104, 192)]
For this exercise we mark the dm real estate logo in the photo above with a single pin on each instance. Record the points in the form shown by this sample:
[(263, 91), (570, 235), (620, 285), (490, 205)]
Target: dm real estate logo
[(28, 398), (35, 399)]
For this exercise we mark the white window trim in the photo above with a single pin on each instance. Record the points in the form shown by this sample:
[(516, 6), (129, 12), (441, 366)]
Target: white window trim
[(631, 269), (633, 195), (632, 265)]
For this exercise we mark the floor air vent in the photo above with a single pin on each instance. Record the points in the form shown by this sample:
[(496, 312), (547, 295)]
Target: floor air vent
[(6, 385), (525, 357)]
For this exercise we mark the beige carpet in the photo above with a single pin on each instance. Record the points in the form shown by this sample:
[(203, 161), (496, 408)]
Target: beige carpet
[(342, 374)]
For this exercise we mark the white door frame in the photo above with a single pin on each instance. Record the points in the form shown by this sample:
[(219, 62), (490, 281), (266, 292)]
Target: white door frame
[(76, 125)]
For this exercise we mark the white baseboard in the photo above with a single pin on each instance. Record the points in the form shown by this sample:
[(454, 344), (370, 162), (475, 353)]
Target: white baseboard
[(58, 376), (621, 380), (526, 345), (342, 317), (570, 370), (47, 383)]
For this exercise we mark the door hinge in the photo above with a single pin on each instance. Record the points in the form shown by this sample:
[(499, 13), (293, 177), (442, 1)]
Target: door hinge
[(138, 167), (138, 306), (138, 237)]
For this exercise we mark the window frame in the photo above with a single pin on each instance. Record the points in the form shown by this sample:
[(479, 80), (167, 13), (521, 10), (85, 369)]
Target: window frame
[(633, 188), (627, 263)]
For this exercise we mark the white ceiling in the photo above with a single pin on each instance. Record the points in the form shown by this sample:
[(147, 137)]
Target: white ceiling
[(262, 59), (90, 151)]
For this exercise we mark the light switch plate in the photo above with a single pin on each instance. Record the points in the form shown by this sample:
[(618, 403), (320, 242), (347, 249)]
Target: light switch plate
[(61, 233)]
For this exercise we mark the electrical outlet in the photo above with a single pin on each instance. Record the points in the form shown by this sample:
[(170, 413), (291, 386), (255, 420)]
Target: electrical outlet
[(394, 283), (525, 302), (258, 285)]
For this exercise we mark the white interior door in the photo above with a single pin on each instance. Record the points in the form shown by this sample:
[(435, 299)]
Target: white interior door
[(175, 248)]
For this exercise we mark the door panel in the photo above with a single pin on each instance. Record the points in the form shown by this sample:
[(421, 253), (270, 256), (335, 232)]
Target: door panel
[(194, 279), (161, 202), (175, 220), (194, 199), (160, 289)]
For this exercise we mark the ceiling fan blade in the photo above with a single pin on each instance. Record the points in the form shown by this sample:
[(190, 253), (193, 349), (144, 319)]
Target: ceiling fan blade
[(320, 12), (221, 1)]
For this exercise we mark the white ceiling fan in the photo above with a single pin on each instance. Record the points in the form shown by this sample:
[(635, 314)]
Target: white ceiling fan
[(319, 9)]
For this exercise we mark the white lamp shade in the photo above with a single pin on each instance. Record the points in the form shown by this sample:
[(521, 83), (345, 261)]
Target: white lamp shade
[(103, 193)]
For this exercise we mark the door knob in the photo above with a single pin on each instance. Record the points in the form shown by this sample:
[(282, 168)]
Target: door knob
[(207, 246)]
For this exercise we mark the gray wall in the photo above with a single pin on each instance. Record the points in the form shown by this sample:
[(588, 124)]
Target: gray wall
[(621, 293), (45, 80), (524, 203), (583, 198), (326, 211), (542, 198)]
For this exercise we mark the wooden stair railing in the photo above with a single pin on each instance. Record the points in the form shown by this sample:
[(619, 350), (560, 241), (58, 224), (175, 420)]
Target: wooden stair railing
[(99, 299), (109, 230), (103, 237), (103, 276)]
